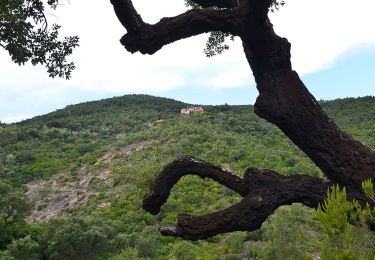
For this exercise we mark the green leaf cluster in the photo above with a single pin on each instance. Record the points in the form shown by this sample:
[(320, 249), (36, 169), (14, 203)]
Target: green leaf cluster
[(334, 211), (345, 240), (26, 36)]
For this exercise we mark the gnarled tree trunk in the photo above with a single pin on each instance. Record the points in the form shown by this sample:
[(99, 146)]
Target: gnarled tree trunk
[(283, 100)]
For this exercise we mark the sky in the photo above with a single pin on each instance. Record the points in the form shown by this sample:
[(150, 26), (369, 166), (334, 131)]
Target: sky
[(333, 50)]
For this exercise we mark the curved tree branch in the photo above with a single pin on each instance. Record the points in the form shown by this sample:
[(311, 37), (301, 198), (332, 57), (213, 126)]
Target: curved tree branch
[(151, 38), (127, 14), (148, 39), (263, 191), (174, 171), (217, 3)]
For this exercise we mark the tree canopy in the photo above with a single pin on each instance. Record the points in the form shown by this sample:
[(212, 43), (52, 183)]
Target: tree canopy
[(26, 35)]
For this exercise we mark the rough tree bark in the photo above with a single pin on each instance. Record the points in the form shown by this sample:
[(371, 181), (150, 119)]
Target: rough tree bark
[(283, 100)]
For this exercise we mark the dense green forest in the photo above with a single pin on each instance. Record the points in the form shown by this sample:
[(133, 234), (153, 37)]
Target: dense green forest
[(72, 182)]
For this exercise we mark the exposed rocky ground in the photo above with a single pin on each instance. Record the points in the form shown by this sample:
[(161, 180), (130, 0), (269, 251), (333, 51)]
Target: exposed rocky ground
[(67, 191)]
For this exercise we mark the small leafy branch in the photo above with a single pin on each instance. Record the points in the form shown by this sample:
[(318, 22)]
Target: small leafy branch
[(335, 213), (26, 35), (368, 189)]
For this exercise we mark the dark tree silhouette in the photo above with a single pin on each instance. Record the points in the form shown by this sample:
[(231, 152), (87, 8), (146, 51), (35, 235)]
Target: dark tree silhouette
[(283, 100)]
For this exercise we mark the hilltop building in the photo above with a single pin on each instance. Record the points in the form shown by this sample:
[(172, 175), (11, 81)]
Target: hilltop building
[(188, 110)]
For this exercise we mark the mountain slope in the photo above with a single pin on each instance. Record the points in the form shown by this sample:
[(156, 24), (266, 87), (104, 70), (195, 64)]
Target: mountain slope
[(78, 134), (92, 163)]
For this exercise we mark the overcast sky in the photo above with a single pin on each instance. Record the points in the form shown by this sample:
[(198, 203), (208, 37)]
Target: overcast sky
[(333, 49)]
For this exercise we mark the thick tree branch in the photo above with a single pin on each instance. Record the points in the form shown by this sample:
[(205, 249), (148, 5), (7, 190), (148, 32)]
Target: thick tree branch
[(147, 38), (174, 171), (217, 3), (342, 158), (151, 38), (127, 14), (247, 215), (286, 102), (263, 191)]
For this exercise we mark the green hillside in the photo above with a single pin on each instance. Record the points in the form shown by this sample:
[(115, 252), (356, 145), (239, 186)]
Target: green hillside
[(86, 168)]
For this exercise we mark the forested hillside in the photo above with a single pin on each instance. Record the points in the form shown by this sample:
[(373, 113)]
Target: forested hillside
[(72, 181)]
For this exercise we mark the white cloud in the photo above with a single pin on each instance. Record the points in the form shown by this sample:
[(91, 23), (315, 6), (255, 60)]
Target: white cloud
[(320, 31)]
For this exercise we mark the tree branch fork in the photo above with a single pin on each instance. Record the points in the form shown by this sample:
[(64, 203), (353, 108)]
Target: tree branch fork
[(263, 191), (283, 101)]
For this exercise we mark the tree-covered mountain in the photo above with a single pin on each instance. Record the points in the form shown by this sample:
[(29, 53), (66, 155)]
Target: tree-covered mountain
[(86, 168)]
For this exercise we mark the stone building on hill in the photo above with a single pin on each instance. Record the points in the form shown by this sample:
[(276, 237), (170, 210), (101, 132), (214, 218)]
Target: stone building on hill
[(188, 110)]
